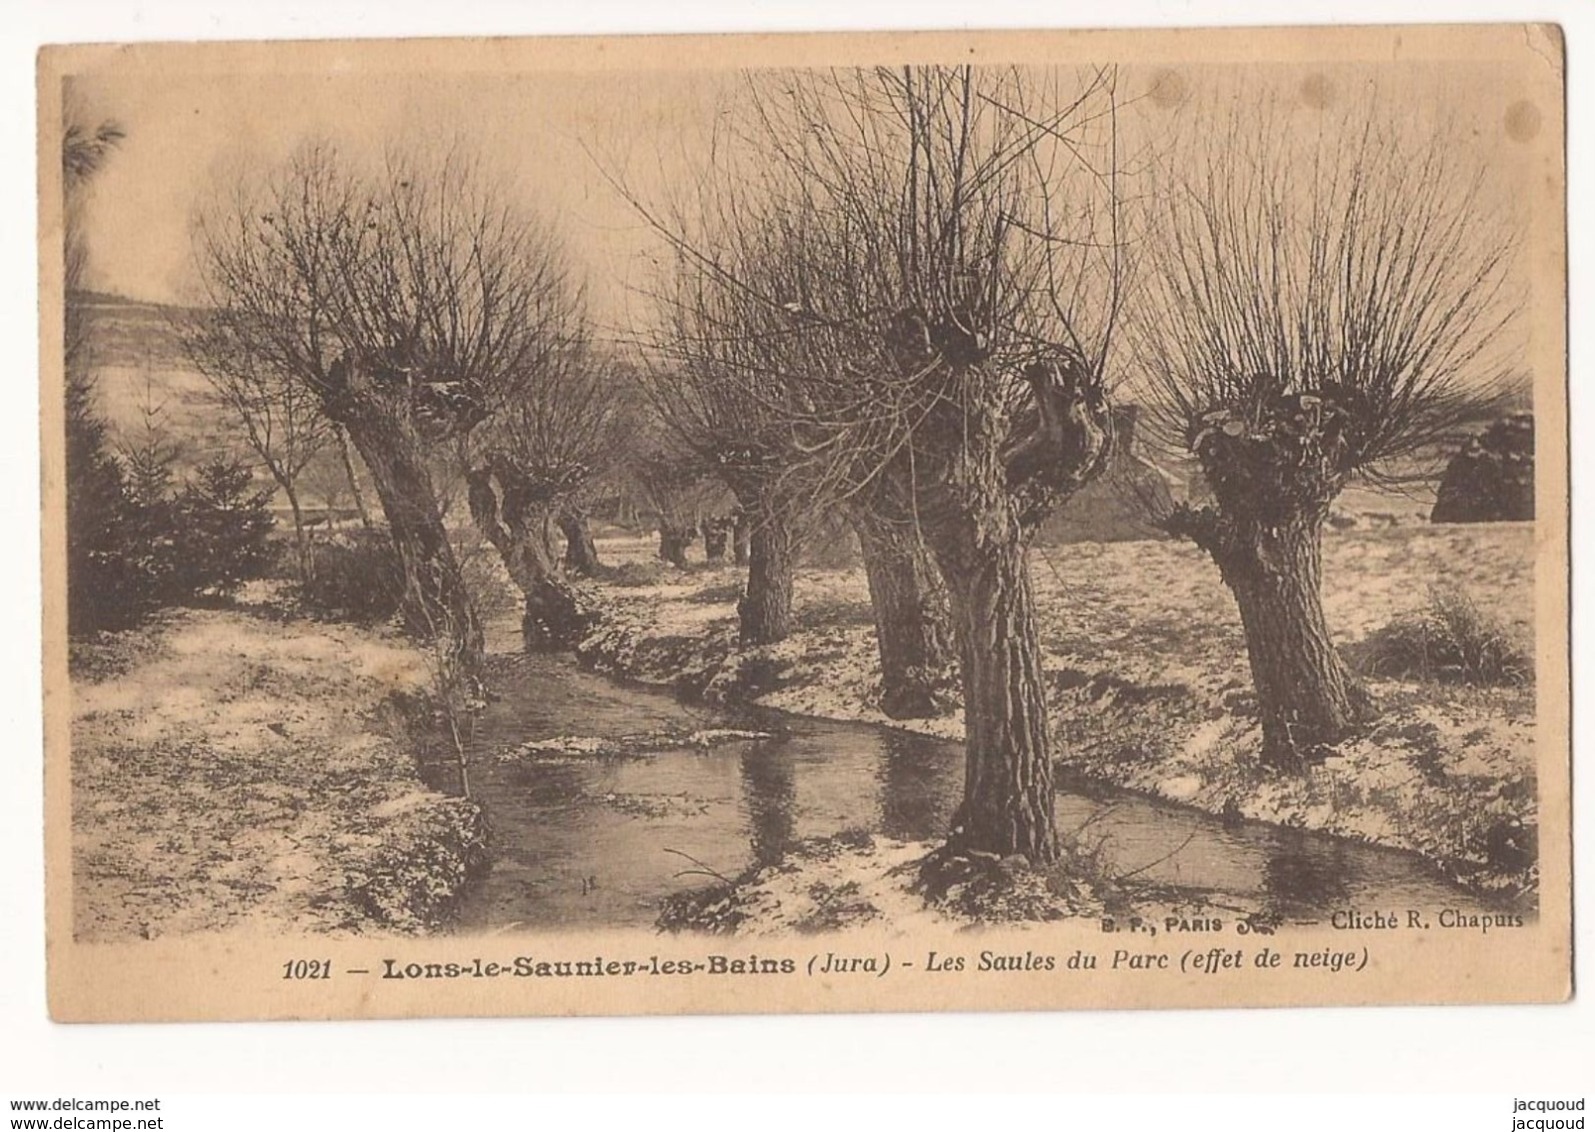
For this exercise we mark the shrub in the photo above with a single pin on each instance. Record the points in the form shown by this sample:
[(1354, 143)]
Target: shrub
[(354, 576), (630, 575), (831, 612), (1492, 478), (725, 593), (134, 545), (1449, 640), (223, 531)]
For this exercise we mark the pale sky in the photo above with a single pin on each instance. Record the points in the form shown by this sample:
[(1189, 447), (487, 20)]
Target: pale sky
[(189, 136), (190, 133)]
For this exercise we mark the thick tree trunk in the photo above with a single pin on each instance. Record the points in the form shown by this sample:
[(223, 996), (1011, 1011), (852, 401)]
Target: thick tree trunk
[(912, 628), (979, 477), (581, 555), (741, 536), (716, 532), (519, 529), (1306, 697), (1008, 793), (673, 543), (765, 610), (436, 604)]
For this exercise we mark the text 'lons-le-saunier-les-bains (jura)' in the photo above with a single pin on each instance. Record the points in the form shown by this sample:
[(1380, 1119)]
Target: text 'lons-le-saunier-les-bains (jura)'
[(1277, 952), (1204, 960)]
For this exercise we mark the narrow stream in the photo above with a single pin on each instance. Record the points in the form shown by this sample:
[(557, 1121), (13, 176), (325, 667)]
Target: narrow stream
[(586, 843)]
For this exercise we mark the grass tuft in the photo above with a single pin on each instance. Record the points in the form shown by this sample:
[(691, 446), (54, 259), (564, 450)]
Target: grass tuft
[(629, 575), (1448, 641)]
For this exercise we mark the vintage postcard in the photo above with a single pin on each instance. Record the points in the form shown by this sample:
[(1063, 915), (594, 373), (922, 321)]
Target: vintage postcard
[(811, 523)]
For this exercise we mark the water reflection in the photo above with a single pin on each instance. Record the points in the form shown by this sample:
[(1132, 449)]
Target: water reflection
[(769, 795), (586, 843), (919, 786), (550, 784), (1301, 877)]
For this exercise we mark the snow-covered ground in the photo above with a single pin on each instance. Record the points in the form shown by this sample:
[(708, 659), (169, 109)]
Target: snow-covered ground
[(233, 771), (237, 770), (1149, 684)]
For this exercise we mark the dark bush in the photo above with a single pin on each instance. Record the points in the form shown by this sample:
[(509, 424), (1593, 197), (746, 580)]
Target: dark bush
[(1492, 478), (134, 544), (354, 576), (106, 589), (203, 541)]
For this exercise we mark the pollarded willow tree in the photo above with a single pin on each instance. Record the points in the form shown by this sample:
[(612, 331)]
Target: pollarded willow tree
[(940, 250), (532, 464), (722, 392), (1329, 302), (672, 487), (711, 389), (411, 299)]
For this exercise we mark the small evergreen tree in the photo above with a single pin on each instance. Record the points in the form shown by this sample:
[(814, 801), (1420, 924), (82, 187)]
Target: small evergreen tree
[(102, 584), (224, 525), (102, 590), (148, 538)]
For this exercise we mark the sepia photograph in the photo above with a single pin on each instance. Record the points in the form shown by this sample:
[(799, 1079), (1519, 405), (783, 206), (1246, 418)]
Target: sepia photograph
[(960, 521)]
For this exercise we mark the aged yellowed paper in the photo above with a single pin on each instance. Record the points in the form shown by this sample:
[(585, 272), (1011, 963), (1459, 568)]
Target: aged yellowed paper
[(809, 523)]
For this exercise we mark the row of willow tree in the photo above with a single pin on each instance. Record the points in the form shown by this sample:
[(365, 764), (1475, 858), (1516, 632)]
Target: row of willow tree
[(899, 296)]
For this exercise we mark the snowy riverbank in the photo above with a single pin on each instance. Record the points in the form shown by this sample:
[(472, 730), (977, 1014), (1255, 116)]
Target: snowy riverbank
[(236, 771), (1149, 686)]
